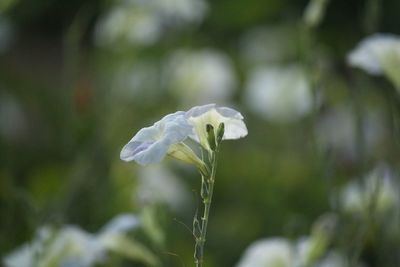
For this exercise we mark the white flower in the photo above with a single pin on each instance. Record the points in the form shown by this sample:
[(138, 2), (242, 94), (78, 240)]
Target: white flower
[(142, 22), (72, 246), (280, 252), (157, 184), (26, 253), (200, 116), (279, 93), (378, 54), (134, 82), (121, 223), (273, 252), (336, 131), (69, 246), (333, 259), (151, 144), (266, 45), (314, 12), (372, 52), (378, 190), (196, 77)]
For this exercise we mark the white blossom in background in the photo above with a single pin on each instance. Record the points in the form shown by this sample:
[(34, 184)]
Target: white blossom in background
[(120, 224), (378, 54), (136, 82), (266, 45), (26, 254), (314, 12), (157, 184), (273, 252), (279, 94), (70, 245), (333, 259), (336, 131), (197, 77), (378, 190), (280, 252), (142, 22)]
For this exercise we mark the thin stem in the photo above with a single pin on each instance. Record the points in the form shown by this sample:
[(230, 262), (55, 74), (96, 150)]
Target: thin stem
[(207, 189)]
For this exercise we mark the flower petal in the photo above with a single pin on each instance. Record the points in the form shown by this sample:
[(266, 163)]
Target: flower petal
[(234, 129), (153, 154), (151, 144), (176, 129), (129, 151), (199, 110), (229, 112), (200, 116)]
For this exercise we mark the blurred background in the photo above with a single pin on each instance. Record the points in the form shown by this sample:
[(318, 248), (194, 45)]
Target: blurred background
[(315, 183)]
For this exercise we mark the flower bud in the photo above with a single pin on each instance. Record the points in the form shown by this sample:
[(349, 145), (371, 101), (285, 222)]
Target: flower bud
[(211, 137), (220, 132)]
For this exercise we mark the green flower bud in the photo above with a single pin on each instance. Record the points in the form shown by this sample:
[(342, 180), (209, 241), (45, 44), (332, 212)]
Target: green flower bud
[(220, 132), (211, 137)]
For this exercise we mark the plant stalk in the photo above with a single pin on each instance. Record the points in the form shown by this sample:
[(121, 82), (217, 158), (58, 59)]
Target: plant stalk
[(207, 189)]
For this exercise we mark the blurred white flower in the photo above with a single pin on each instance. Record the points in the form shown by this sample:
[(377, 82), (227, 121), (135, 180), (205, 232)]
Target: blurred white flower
[(378, 54), (136, 82), (333, 259), (372, 52), (121, 223), (337, 131), (271, 44), (151, 144), (157, 184), (314, 12), (378, 191), (70, 245), (273, 252), (26, 254), (280, 252), (197, 77), (113, 238), (279, 93), (200, 116), (143, 22), (189, 11)]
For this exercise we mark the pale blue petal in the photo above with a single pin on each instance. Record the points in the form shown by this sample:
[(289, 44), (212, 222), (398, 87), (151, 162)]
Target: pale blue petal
[(129, 151), (199, 110), (151, 144), (153, 154), (177, 131), (229, 112), (146, 134), (121, 223), (173, 116)]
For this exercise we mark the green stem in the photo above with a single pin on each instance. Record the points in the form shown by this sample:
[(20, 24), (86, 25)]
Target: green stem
[(206, 194)]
